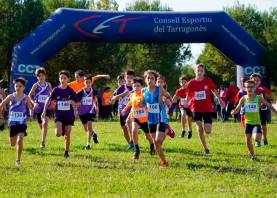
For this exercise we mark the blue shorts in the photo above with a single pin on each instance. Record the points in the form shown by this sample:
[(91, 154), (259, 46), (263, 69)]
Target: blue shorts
[(249, 129)]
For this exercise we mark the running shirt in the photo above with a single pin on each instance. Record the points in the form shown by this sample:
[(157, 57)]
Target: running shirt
[(251, 110), (123, 101), (137, 112), (182, 93), (77, 86), (87, 103), (62, 97), (17, 111), (106, 99), (40, 96), (262, 90), (200, 94), (155, 107)]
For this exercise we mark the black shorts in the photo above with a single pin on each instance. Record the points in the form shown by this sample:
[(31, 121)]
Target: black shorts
[(65, 122), (187, 110), (85, 118), (123, 120), (157, 127), (19, 128), (249, 129), (263, 116), (199, 116), (38, 116), (143, 126)]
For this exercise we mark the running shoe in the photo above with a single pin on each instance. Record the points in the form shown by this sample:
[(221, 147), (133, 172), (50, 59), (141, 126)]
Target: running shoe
[(170, 131), (136, 156), (42, 144), (87, 147), (253, 157), (207, 151), (95, 138), (131, 146), (17, 163), (164, 164), (66, 155), (258, 144), (189, 134), (265, 142), (183, 134)]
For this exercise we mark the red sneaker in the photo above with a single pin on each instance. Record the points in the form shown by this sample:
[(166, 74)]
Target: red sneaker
[(170, 132), (164, 164)]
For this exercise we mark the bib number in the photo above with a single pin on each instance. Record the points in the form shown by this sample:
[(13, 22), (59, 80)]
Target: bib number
[(139, 113), (16, 116), (153, 108), (87, 100), (125, 100), (42, 98), (200, 95), (250, 108), (184, 102), (63, 105)]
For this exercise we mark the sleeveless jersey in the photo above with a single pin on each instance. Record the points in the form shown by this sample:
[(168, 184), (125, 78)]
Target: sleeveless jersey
[(251, 110), (156, 108), (40, 96), (86, 103), (17, 111)]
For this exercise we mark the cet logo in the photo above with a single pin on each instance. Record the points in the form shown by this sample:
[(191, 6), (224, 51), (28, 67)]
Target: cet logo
[(256, 69), (101, 25), (27, 69)]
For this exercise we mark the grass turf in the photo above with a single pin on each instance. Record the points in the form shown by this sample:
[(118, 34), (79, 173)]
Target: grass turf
[(108, 170)]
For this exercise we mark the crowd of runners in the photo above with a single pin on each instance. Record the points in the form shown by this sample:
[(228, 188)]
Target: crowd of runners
[(143, 103)]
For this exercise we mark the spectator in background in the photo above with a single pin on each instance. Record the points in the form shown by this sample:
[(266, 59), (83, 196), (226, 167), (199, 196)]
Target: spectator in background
[(223, 96), (231, 99), (107, 103)]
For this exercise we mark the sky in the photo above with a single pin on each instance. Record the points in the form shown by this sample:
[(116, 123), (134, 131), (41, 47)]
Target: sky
[(205, 5)]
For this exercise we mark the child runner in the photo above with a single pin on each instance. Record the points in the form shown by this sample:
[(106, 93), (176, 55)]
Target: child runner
[(107, 103), (252, 103), (40, 91), (138, 116), (199, 90), (65, 99), (87, 109), (79, 82), (162, 83), (157, 118), (264, 111), (186, 114), (17, 115), (122, 95), (2, 97)]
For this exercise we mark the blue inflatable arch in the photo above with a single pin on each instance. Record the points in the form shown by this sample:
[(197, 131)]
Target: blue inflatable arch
[(69, 25)]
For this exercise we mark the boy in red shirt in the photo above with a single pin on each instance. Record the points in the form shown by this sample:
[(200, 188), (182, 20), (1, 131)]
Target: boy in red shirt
[(186, 114)]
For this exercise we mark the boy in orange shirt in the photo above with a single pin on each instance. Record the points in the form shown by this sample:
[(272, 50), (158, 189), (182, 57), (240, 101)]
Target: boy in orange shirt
[(138, 116), (107, 103)]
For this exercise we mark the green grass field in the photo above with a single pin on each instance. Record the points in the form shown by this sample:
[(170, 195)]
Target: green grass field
[(108, 170)]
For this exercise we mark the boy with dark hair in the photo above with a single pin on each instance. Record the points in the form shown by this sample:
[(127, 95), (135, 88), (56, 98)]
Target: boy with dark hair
[(66, 100), (122, 96)]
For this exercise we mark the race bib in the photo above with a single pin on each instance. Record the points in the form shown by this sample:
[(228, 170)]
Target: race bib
[(153, 108), (200, 95), (16, 116), (87, 100), (63, 105), (184, 102), (251, 108), (125, 100), (139, 113), (42, 98)]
